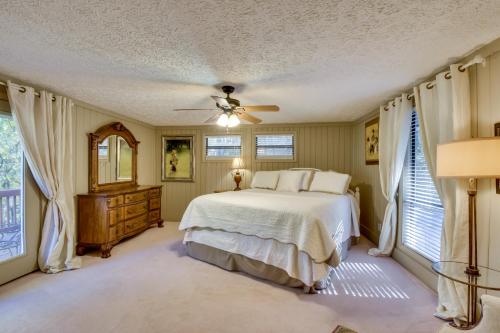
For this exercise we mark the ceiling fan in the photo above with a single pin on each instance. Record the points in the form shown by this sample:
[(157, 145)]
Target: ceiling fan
[(231, 111)]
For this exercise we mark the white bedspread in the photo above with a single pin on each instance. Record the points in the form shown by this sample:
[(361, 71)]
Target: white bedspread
[(311, 221)]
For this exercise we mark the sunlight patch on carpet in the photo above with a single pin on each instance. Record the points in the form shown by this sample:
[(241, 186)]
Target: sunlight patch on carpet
[(360, 279)]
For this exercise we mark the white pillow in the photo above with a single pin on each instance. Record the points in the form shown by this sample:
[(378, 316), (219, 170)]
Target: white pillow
[(290, 181), (331, 182), (265, 179), (306, 182)]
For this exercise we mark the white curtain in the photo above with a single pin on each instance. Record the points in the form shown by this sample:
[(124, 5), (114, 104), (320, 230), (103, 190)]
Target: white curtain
[(394, 131), (46, 135), (444, 115)]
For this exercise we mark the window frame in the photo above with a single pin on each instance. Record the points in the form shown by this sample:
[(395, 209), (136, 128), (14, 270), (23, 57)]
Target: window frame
[(416, 263), (401, 205), (23, 190), (221, 158), (271, 158)]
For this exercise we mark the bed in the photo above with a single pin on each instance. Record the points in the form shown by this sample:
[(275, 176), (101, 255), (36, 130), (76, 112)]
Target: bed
[(293, 239)]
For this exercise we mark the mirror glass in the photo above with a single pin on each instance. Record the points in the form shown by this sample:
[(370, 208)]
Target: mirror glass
[(115, 160)]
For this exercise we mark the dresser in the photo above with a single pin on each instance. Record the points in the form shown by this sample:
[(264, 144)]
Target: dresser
[(106, 218)]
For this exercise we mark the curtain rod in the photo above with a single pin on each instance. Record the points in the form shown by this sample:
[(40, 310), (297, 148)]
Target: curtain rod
[(23, 90), (478, 59)]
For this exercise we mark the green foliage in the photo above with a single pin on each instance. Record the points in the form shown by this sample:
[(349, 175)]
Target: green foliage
[(11, 157)]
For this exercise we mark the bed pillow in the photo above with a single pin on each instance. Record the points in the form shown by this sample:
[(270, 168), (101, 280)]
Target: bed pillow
[(331, 182), (290, 181), (306, 182), (265, 179)]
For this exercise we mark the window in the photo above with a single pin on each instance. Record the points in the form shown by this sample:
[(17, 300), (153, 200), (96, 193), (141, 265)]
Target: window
[(103, 149), (275, 146), (11, 181), (422, 210), (222, 146)]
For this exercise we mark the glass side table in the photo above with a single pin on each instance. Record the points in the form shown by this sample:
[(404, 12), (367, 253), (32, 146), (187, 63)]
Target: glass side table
[(455, 271)]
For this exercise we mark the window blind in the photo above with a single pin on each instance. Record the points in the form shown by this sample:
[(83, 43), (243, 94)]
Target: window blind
[(222, 146), (275, 146), (422, 210)]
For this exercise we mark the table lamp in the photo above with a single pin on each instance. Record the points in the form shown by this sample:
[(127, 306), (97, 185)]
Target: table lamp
[(237, 165), (470, 159)]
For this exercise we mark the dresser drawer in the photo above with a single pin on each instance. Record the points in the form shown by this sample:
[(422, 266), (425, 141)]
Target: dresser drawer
[(112, 234), (135, 223), (115, 215), (119, 230), (115, 232), (136, 209), (154, 203), (134, 197), (154, 215), (115, 201), (155, 193)]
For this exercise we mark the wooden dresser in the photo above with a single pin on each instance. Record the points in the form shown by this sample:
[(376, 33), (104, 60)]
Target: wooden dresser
[(105, 218)]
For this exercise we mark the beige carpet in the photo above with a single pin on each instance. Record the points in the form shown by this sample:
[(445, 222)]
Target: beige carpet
[(149, 285)]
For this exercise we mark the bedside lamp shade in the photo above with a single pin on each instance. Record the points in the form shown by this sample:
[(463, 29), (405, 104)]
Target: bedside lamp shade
[(238, 163), (474, 158)]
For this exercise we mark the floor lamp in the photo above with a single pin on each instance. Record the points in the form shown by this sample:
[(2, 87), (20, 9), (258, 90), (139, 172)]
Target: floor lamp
[(470, 159)]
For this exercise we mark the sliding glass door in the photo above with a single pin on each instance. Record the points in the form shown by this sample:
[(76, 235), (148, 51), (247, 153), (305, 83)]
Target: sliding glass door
[(19, 219), (12, 233)]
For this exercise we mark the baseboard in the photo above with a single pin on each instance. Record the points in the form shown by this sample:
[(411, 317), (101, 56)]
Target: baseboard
[(370, 234), (423, 272)]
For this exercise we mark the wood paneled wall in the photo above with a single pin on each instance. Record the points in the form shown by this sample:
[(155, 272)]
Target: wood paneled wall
[(87, 120), (485, 89), (323, 146), (485, 103), (367, 178)]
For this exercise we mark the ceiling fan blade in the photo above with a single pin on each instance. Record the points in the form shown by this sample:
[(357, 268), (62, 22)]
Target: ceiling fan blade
[(260, 108), (247, 117), (222, 102), (195, 110), (213, 119)]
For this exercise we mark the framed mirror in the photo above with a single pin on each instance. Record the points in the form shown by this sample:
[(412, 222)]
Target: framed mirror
[(112, 158)]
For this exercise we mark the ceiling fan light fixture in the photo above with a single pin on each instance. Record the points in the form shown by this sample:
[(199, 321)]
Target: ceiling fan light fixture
[(230, 110), (233, 121), (223, 120)]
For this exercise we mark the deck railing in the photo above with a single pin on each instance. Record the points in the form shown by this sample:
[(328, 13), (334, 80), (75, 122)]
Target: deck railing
[(10, 223), (10, 208)]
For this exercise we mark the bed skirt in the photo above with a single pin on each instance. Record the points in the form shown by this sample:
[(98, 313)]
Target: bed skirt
[(240, 263)]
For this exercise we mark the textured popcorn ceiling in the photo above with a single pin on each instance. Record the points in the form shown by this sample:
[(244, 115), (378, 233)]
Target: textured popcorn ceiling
[(317, 60)]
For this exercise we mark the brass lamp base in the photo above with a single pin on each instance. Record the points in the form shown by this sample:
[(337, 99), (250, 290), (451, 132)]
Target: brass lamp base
[(237, 180)]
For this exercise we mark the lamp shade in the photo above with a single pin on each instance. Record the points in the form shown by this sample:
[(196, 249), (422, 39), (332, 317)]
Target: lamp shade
[(223, 120), (475, 158), (237, 163)]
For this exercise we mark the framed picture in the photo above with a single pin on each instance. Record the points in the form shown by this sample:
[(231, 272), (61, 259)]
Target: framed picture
[(371, 141), (177, 159)]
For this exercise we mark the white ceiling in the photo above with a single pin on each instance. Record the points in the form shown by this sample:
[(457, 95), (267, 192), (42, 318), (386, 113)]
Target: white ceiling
[(318, 60)]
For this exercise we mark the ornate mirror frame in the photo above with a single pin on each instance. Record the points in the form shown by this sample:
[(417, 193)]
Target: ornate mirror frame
[(95, 139)]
